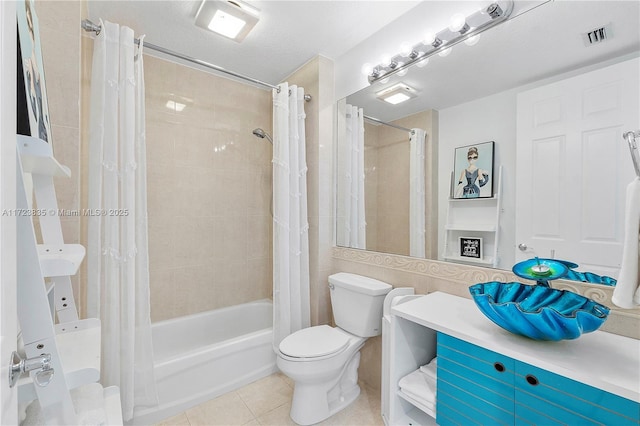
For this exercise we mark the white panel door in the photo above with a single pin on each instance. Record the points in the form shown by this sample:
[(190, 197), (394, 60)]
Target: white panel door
[(572, 166), (8, 314)]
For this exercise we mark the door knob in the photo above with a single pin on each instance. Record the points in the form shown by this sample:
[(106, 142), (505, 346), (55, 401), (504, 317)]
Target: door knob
[(522, 247)]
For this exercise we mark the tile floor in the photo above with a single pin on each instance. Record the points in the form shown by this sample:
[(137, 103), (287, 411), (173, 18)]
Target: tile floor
[(267, 402)]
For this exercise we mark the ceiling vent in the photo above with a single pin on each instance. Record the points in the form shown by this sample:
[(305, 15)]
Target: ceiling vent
[(598, 35)]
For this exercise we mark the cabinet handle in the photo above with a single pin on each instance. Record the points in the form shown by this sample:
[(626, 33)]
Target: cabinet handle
[(532, 380), (499, 367)]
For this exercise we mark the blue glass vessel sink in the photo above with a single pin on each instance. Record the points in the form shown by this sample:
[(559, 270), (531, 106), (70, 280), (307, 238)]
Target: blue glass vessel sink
[(538, 312)]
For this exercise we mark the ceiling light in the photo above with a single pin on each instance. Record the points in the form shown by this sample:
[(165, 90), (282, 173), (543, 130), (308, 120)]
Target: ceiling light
[(231, 19), (226, 24), (397, 93)]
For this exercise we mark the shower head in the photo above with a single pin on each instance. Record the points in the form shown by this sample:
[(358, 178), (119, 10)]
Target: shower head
[(262, 134)]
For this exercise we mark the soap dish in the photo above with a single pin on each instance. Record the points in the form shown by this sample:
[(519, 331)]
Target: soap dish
[(538, 312)]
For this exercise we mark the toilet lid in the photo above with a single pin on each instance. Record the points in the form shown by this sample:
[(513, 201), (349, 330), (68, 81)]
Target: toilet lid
[(314, 342)]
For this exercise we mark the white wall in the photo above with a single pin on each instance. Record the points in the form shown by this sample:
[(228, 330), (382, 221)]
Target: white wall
[(487, 119)]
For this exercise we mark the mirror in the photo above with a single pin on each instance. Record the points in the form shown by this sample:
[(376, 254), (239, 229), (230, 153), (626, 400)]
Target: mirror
[(470, 97)]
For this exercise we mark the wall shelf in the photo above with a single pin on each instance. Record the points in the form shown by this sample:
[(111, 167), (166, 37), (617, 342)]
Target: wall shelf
[(60, 260), (478, 218), (484, 261)]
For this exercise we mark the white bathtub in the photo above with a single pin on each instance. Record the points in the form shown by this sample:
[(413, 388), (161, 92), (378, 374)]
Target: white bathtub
[(199, 357)]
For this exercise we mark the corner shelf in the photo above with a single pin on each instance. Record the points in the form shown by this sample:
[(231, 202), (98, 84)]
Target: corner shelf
[(475, 218)]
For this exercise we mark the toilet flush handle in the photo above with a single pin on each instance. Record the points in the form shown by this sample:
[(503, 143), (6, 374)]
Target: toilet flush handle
[(331, 286)]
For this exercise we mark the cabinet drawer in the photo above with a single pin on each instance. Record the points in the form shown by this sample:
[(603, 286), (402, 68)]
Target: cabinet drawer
[(571, 402), (483, 363)]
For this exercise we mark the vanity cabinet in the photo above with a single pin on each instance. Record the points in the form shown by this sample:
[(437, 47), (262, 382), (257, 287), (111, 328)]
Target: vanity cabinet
[(478, 385), (487, 375)]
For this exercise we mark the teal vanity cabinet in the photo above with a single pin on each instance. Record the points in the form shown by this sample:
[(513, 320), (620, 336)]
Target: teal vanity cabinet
[(488, 376), (478, 386)]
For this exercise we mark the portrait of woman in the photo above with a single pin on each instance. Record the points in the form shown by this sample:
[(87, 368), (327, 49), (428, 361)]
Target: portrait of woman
[(473, 170), (34, 82)]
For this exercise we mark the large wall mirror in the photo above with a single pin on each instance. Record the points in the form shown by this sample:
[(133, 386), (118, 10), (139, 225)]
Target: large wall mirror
[(517, 87)]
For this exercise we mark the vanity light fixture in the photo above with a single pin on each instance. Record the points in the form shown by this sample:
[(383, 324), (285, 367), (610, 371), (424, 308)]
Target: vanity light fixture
[(231, 19), (461, 29), (397, 93)]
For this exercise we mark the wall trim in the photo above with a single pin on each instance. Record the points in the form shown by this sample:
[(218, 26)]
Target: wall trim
[(464, 274)]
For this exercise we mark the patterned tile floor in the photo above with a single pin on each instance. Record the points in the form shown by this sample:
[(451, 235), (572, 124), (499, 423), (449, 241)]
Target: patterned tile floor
[(267, 402)]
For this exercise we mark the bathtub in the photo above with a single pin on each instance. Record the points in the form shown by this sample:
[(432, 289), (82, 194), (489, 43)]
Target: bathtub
[(201, 356)]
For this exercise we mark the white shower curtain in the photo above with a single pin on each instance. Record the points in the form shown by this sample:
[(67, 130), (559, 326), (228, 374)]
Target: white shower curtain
[(290, 223), (352, 224), (117, 260), (417, 193)]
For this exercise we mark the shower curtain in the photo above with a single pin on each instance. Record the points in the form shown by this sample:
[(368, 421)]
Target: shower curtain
[(117, 259), (290, 224), (417, 206), (351, 207)]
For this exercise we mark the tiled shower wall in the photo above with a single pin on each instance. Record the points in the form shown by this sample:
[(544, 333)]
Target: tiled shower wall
[(209, 190), (59, 25), (387, 154)]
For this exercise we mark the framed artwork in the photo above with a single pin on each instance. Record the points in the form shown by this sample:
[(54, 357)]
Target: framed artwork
[(471, 247), (33, 93), (473, 171)]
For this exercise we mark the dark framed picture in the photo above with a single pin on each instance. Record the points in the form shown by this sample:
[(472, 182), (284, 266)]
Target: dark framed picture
[(33, 94), (473, 171), (471, 247)]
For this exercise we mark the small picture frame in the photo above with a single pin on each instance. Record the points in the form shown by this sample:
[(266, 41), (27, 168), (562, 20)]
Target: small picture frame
[(473, 171), (471, 247)]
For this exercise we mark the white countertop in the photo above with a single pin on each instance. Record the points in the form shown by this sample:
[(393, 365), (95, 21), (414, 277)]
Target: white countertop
[(602, 360)]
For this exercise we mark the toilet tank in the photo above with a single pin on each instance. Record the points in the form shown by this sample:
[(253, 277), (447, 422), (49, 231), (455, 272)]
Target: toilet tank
[(357, 303)]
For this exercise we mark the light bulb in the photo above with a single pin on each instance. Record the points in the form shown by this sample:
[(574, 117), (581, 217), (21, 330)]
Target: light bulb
[(429, 37), (384, 80), (403, 72), (406, 48), (367, 68), (472, 41), (385, 59), (445, 52), (457, 22), (422, 63)]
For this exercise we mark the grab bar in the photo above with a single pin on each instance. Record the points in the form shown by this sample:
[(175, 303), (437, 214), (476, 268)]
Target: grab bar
[(630, 137)]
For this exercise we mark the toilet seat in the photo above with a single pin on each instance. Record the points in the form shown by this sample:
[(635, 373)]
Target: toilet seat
[(314, 342)]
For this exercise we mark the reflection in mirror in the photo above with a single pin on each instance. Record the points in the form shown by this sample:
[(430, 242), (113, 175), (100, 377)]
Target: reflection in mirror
[(479, 93), (385, 191)]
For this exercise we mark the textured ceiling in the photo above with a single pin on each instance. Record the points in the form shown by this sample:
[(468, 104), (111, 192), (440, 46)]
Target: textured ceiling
[(289, 33)]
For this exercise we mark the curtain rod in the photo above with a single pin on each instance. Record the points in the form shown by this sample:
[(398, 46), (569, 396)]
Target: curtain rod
[(89, 26), (375, 120)]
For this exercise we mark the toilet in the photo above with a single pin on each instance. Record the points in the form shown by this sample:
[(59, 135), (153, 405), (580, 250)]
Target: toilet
[(322, 360)]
